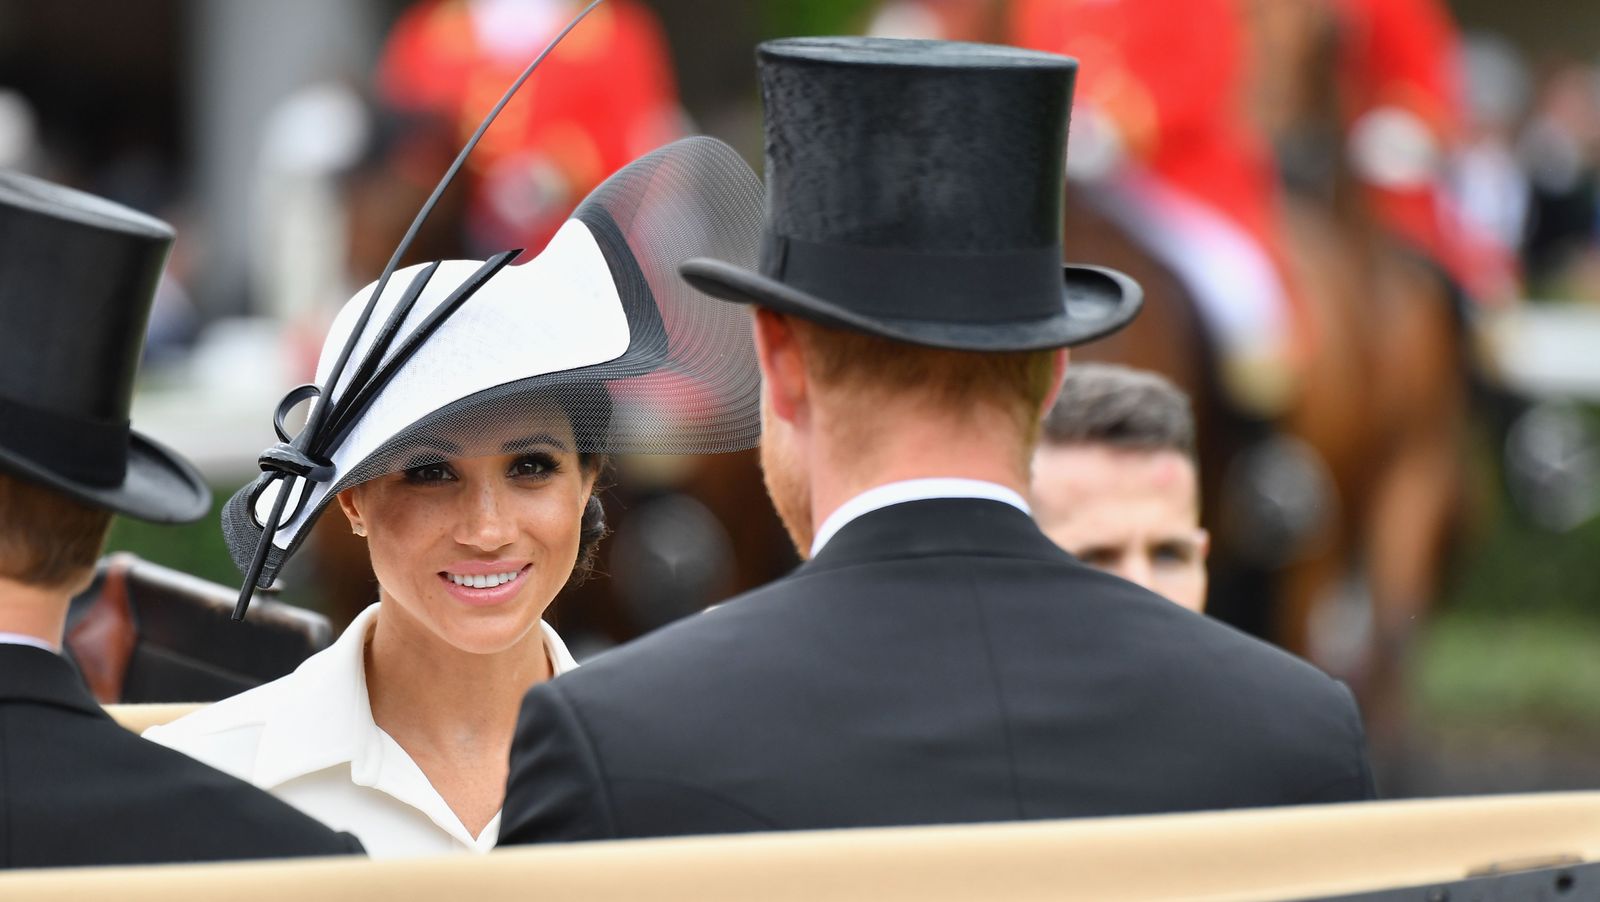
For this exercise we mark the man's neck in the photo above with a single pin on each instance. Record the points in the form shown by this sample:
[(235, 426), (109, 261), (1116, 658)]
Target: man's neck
[(29, 610), (916, 449)]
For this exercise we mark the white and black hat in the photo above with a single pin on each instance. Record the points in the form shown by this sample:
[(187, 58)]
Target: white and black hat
[(598, 327)]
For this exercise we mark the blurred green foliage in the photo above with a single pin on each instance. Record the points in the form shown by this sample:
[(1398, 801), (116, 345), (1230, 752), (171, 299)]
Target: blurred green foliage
[(196, 548), (815, 17), (1518, 570), (1538, 672), (1505, 566)]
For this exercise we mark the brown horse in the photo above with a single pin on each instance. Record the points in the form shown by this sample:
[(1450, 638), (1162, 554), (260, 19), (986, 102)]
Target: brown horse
[(1380, 401), (1386, 399)]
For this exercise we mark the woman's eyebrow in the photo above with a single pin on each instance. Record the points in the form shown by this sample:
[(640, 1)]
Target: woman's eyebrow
[(523, 444), (439, 444)]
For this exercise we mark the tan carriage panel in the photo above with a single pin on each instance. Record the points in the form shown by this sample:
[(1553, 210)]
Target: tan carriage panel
[(139, 718), (1262, 854)]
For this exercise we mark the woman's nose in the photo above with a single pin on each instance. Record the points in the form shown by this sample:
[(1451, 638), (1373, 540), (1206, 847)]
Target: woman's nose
[(482, 520)]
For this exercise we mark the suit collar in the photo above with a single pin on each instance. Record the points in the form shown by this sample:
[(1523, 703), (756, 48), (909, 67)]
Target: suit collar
[(937, 527), (35, 675), (905, 490)]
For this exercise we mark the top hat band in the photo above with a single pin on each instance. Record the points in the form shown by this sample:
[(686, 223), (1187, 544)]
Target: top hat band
[(923, 285), (90, 451)]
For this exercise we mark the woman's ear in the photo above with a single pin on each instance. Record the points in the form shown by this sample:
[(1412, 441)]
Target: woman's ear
[(347, 504)]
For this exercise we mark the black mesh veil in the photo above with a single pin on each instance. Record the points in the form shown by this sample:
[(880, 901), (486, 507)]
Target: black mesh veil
[(597, 334)]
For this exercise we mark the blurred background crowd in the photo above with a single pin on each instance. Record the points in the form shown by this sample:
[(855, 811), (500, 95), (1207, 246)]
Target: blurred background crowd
[(1369, 231)]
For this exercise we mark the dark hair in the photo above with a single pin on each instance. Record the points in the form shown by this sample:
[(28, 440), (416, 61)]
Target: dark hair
[(592, 527), (589, 409), (1103, 404), (46, 538)]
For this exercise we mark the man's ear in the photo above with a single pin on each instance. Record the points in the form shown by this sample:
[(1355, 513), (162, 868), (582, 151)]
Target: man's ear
[(783, 365), (1204, 544), (1058, 366)]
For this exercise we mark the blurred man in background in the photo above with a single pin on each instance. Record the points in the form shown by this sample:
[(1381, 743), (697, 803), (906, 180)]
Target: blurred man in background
[(1115, 481)]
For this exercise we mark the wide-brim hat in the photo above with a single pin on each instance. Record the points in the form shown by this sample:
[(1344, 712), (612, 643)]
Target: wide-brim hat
[(457, 357), (915, 192), (78, 276)]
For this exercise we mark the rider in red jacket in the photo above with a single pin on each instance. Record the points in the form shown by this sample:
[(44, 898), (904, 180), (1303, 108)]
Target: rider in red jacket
[(606, 96)]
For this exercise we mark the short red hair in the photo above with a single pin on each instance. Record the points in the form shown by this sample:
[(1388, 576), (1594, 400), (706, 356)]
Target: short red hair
[(46, 538)]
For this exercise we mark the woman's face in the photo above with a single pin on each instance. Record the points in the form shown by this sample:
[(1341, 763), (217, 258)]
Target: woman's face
[(475, 549)]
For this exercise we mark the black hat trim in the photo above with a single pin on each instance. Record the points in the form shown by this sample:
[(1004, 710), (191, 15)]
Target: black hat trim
[(93, 452), (942, 285), (1091, 302)]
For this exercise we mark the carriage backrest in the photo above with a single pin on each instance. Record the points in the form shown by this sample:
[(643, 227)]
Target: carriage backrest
[(142, 632)]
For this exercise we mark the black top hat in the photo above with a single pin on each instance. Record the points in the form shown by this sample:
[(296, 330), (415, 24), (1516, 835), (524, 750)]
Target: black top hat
[(77, 277), (914, 191)]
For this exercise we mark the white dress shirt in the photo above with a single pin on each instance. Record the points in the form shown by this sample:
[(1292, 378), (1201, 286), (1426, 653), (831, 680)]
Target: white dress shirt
[(913, 490), (309, 739), (30, 641)]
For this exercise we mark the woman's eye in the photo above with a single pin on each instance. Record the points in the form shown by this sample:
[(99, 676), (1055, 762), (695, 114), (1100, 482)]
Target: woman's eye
[(534, 465), (429, 473)]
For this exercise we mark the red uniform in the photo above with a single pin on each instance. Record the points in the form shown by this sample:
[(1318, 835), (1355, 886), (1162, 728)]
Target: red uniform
[(1171, 74), (604, 97), (1202, 193), (1401, 56)]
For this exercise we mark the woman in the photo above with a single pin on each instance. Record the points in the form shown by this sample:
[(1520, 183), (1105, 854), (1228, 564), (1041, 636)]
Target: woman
[(472, 409)]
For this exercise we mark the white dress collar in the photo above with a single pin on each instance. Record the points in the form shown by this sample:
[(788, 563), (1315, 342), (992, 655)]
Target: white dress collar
[(324, 718), (913, 490)]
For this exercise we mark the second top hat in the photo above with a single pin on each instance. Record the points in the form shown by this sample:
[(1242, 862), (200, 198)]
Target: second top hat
[(915, 192), (78, 276)]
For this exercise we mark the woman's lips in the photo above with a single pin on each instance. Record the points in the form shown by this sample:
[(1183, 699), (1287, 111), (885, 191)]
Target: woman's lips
[(489, 595)]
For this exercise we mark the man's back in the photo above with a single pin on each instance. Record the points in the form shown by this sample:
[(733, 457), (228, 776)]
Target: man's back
[(77, 789), (940, 661)]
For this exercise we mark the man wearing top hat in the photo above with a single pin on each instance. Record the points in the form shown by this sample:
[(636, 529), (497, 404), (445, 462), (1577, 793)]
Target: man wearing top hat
[(936, 659), (77, 277)]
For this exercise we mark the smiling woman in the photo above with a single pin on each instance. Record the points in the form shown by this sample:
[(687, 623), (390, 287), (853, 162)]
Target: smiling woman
[(469, 464), (474, 549)]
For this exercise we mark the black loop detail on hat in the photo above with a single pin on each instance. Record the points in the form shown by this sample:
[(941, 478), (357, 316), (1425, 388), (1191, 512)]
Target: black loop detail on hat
[(926, 285), (87, 450), (294, 397), (289, 460)]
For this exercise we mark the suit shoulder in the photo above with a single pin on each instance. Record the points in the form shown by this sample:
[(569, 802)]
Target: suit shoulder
[(1196, 643), (716, 638), (1219, 643), (121, 781)]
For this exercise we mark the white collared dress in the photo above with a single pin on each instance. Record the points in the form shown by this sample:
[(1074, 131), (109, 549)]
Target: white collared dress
[(309, 739)]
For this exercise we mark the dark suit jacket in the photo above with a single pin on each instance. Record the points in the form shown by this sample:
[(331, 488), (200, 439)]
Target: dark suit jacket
[(77, 789), (939, 661)]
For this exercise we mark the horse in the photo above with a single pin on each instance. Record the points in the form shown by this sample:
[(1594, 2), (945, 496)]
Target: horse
[(1394, 334)]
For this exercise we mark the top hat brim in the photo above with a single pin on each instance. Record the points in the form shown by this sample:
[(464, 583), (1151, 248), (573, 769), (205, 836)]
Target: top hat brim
[(1096, 302), (160, 486)]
